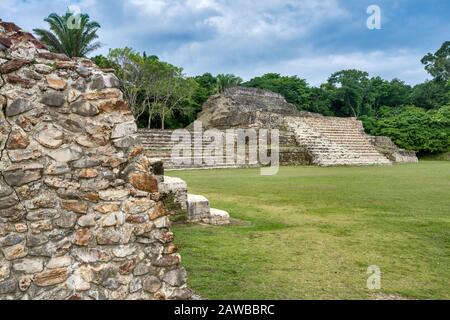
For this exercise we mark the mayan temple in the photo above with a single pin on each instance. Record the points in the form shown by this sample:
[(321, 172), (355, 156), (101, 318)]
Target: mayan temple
[(81, 215), (305, 138)]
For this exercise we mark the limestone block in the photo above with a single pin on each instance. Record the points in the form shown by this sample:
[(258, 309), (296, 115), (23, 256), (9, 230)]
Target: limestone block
[(17, 107), (219, 217), (198, 208), (176, 187)]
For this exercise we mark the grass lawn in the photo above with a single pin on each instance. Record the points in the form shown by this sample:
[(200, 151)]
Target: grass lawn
[(311, 233)]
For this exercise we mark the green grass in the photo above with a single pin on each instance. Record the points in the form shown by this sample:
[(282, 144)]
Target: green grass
[(311, 233)]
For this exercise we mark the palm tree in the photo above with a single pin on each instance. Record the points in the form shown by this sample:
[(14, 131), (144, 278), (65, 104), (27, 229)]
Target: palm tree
[(225, 81), (73, 41)]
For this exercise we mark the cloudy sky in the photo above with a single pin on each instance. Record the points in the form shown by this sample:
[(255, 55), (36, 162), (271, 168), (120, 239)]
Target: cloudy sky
[(308, 38)]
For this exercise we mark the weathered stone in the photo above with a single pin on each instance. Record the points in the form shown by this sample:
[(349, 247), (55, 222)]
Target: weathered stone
[(91, 255), (113, 106), (167, 261), (3, 102), (125, 143), (79, 281), (103, 95), (124, 130), (135, 285), (82, 237), (176, 278), (50, 137), (13, 65), (8, 286), (17, 107), (152, 284), (21, 227), (43, 214), (158, 211), (67, 220), (56, 83), (56, 169), (42, 225), (87, 221), (103, 81), (11, 240), (20, 178), (81, 229), (107, 208), (53, 99), (219, 217), (59, 262), (61, 183), (83, 71), (75, 206), (24, 155), (108, 236), (8, 202), (5, 190), (15, 252), (24, 83), (17, 140), (143, 181), (163, 222), (51, 277), (36, 240), (114, 195), (64, 65), (86, 141), (128, 267), (84, 108), (53, 56), (25, 282), (135, 206), (198, 208), (29, 266), (88, 173), (112, 220), (5, 270), (43, 68), (68, 154)]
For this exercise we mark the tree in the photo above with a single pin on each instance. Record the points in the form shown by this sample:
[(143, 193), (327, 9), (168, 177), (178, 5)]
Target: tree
[(414, 128), (74, 41), (438, 64), (293, 89), (431, 94), (225, 81), (350, 92), (156, 91)]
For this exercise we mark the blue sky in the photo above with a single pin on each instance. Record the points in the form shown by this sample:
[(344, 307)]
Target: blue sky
[(308, 38)]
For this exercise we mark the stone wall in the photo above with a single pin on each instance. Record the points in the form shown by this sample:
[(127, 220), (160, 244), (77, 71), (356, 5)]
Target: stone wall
[(81, 216), (385, 146)]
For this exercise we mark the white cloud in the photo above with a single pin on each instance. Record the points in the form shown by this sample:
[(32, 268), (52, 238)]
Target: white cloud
[(245, 37)]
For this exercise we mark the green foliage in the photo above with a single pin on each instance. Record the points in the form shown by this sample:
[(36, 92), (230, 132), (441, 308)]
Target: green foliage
[(74, 41), (159, 94), (294, 89), (104, 63), (413, 128), (431, 94), (438, 64), (225, 81)]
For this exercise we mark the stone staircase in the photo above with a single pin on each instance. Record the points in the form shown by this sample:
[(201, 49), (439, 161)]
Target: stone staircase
[(159, 144), (335, 141)]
